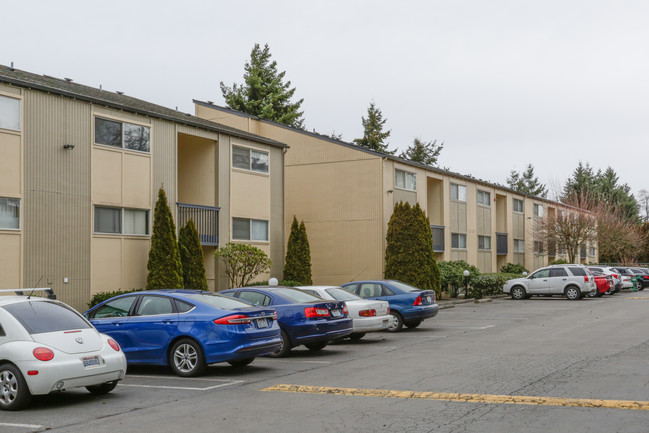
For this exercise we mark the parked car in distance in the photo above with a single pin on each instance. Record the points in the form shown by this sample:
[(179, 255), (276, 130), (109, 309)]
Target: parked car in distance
[(187, 329), (367, 315), (572, 281), (604, 285), (606, 270), (304, 319), (626, 277), (46, 346), (641, 277), (409, 305)]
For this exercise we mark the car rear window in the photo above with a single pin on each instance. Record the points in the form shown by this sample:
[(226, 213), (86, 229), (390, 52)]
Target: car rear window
[(38, 317), (218, 301), (296, 295), (342, 295), (403, 286), (578, 272)]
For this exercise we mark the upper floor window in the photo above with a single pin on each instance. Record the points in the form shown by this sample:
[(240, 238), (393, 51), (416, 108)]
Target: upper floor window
[(518, 205), (484, 242), (538, 210), (458, 240), (519, 246), (122, 134), (458, 192), (538, 247), (112, 220), (9, 113), (246, 229), (484, 198), (405, 180), (249, 159), (9, 213)]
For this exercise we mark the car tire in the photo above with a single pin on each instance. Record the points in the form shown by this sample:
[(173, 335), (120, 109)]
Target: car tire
[(186, 358), (284, 349), (14, 393), (518, 293), (396, 323), (316, 347), (102, 388), (572, 293), (241, 362), (356, 336), (412, 324)]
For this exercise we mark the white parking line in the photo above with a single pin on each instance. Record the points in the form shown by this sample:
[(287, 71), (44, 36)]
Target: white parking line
[(32, 426), (299, 361), (227, 382), (465, 327)]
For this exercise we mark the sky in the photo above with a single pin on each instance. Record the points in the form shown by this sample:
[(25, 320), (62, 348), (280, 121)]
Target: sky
[(501, 83)]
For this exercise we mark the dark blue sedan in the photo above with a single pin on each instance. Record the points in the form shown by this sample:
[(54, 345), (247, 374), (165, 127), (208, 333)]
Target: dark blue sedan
[(408, 305), (187, 329), (304, 318)]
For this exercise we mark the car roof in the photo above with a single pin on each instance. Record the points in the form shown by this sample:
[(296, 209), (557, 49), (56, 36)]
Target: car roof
[(318, 287), (6, 300)]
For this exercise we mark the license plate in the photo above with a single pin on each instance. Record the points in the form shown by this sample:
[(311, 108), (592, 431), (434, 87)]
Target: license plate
[(384, 324), (262, 323), (336, 313), (429, 299), (90, 361)]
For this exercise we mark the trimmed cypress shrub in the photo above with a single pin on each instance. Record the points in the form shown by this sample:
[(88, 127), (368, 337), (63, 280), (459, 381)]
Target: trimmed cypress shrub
[(191, 257), (164, 266), (297, 264)]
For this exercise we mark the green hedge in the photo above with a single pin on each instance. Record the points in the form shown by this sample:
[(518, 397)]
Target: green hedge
[(489, 284), (100, 297)]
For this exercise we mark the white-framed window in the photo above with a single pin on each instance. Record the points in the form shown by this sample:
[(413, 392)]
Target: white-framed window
[(458, 240), (592, 251), (120, 221), (458, 192), (484, 242), (538, 247), (250, 159), (519, 246), (9, 113), (538, 210), (9, 213), (246, 229), (405, 180), (122, 135), (518, 206), (484, 198)]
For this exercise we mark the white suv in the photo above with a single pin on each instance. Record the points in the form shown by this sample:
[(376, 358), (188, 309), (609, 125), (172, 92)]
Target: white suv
[(572, 281)]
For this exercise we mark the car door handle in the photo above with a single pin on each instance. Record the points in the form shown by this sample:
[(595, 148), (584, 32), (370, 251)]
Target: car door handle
[(168, 322), (116, 323)]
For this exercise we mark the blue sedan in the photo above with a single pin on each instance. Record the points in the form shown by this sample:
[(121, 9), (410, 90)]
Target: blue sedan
[(187, 329), (304, 318), (408, 305)]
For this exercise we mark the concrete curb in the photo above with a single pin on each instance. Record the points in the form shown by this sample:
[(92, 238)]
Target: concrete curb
[(444, 304)]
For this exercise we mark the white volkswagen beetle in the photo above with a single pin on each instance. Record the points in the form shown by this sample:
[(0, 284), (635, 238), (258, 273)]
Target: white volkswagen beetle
[(367, 315), (47, 346)]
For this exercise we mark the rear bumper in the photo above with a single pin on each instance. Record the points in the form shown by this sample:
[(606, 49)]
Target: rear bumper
[(218, 353), (320, 331), (370, 324), (420, 312)]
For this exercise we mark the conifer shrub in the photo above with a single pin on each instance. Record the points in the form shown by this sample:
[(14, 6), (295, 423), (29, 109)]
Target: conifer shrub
[(191, 257), (297, 264), (164, 265)]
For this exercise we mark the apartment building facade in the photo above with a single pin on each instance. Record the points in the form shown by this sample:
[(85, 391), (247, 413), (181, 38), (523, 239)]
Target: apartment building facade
[(80, 169), (346, 194)]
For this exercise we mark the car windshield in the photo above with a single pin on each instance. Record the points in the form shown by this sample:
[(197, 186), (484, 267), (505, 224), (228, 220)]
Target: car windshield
[(404, 287), (295, 295), (38, 317), (218, 301), (342, 295)]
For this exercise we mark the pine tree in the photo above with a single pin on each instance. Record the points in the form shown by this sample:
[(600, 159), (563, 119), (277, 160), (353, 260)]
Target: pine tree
[(423, 152), (164, 265), (191, 257), (264, 93), (527, 182), (297, 265), (373, 135)]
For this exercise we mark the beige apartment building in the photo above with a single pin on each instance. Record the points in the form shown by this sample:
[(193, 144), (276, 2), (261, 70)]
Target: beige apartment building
[(80, 169), (346, 194)]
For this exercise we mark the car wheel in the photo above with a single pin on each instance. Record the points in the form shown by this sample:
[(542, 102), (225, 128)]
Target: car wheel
[(412, 324), (356, 336), (315, 347), (14, 393), (241, 362), (573, 293), (518, 293), (186, 358), (396, 323), (284, 348), (102, 388)]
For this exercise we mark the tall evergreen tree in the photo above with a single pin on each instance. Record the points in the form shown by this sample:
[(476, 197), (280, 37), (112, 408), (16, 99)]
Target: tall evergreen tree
[(297, 265), (581, 184), (264, 92), (526, 182), (424, 152), (373, 135), (164, 265), (191, 257)]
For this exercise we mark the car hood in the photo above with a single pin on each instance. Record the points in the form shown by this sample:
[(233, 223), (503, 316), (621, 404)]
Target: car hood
[(516, 280), (73, 341)]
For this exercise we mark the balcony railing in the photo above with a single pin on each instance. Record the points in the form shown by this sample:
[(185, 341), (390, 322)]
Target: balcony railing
[(438, 238), (206, 219), (501, 244)]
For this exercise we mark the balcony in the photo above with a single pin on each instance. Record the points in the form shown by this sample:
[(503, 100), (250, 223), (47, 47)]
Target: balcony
[(206, 219), (438, 238), (501, 244)]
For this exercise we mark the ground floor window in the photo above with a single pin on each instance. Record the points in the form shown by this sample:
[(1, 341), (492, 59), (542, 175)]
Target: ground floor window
[(246, 229), (114, 220), (9, 213), (458, 240), (484, 242), (519, 246)]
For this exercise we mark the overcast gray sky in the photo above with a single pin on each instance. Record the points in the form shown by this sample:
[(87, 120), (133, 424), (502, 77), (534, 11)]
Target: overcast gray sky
[(501, 83)]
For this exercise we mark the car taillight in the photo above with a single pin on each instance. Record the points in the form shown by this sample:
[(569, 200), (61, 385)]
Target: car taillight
[(316, 312), (235, 319), (585, 278), (112, 343), (388, 311), (345, 310), (274, 315), (417, 301), (367, 313), (615, 276), (43, 354)]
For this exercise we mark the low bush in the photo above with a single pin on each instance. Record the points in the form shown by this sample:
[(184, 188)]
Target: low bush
[(489, 284), (452, 274), (559, 262), (100, 297), (513, 268)]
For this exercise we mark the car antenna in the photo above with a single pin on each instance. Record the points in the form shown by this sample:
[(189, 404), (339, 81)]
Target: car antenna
[(358, 274), (37, 283)]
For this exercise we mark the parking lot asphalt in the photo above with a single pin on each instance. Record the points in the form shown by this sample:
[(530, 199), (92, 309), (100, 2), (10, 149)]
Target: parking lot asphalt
[(543, 364)]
